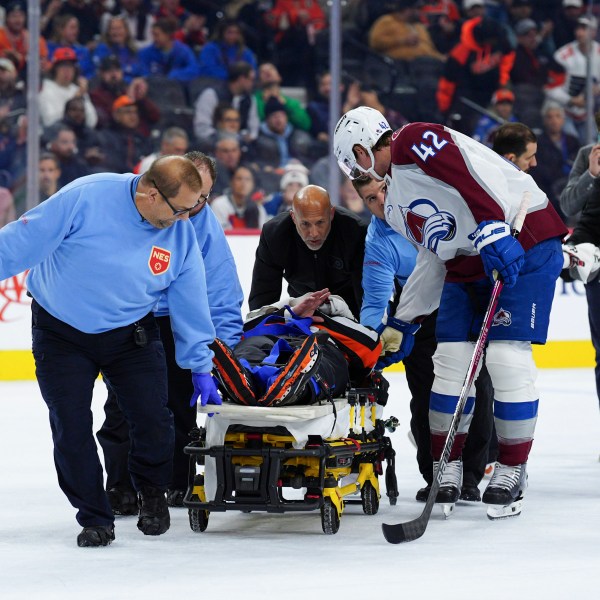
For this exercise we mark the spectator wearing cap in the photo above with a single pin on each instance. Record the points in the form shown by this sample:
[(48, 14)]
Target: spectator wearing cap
[(65, 34), (14, 38), (565, 21), (520, 10), (62, 85), (294, 178), (569, 89), (473, 8), (443, 20), (400, 36), (501, 110), (476, 67), (112, 85), (166, 56), (238, 93), (123, 144), (117, 41), (225, 50), (531, 71), (278, 141)]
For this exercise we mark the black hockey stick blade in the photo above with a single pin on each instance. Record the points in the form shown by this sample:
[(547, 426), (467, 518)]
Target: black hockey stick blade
[(409, 531)]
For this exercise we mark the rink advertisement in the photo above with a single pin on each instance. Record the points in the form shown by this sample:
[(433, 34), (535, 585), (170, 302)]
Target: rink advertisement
[(568, 340)]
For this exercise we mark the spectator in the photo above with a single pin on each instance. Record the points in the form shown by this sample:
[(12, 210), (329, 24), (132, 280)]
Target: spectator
[(7, 207), (476, 67), (269, 85), (295, 24), (565, 22), (350, 199), (278, 141), (236, 209), (112, 86), (502, 106), (531, 72), (62, 85), (569, 90), (166, 56), (14, 38), (193, 32), (123, 143), (63, 144), (174, 141), (172, 9), (13, 137), (556, 153), (400, 36), (444, 23), (139, 20), (66, 35), (227, 120), (87, 19), (12, 97), (228, 155), (520, 10), (292, 181), (117, 41), (473, 8), (237, 92), (225, 50), (49, 176)]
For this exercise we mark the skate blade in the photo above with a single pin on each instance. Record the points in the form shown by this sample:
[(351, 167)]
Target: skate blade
[(447, 510), (498, 512)]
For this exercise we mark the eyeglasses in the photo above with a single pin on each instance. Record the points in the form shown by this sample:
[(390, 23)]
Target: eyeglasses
[(181, 211)]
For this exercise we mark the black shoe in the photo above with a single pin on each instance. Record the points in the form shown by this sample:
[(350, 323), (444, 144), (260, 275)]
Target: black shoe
[(99, 535), (175, 498), (470, 493), (423, 494), (123, 502), (154, 512)]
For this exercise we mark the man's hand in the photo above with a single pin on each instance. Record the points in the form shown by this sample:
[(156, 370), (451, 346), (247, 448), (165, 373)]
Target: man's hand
[(582, 260), (306, 305)]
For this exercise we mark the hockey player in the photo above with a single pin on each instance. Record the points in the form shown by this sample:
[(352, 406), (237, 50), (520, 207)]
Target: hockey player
[(456, 199), (102, 251), (389, 261)]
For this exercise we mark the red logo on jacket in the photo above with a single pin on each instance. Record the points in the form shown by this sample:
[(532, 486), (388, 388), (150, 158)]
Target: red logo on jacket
[(159, 261)]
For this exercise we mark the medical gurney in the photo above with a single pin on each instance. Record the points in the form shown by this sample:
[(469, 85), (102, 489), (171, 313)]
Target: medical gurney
[(329, 451)]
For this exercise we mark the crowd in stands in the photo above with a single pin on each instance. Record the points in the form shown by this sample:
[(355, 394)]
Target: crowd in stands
[(126, 81)]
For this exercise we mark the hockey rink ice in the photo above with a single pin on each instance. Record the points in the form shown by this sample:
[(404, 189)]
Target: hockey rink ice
[(551, 551)]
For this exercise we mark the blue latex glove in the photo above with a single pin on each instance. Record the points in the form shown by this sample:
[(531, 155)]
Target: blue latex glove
[(499, 251), (205, 389), (406, 340)]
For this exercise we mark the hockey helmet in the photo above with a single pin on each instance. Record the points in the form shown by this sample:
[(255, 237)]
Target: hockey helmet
[(363, 126)]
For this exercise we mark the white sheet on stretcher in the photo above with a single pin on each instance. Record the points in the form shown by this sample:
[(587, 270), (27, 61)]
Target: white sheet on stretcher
[(300, 421)]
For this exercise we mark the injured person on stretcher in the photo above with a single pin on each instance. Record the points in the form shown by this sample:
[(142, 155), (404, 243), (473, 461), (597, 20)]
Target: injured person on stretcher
[(300, 351)]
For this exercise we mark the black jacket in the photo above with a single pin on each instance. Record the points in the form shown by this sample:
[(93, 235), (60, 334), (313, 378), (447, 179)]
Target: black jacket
[(337, 265)]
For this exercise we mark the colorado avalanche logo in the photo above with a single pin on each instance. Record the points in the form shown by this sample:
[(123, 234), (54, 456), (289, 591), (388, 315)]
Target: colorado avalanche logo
[(427, 225), (502, 317)]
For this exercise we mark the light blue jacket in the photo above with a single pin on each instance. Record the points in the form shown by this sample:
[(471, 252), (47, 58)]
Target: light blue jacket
[(225, 295), (388, 256), (97, 265)]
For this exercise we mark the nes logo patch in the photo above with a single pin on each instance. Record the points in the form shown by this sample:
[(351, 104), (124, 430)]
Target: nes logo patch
[(502, 317), (159, 261)]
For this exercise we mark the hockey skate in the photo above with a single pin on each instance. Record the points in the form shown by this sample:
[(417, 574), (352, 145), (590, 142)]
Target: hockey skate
[(505, 491), (294, 376), (233, 377), (450, 485)]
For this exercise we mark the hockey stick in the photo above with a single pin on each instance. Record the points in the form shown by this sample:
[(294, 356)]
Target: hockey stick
[(412, 530)]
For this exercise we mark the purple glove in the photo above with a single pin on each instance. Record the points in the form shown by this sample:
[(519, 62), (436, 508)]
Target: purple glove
[(205, 389)]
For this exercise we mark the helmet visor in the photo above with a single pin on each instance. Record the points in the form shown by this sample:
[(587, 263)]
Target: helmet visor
[(350, 167)]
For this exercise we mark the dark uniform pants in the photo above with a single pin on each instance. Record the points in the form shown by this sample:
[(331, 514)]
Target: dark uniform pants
[(68, 362), (481, 440), (113, 436)]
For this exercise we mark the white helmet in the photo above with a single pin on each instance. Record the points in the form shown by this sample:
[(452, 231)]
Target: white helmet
[(363, 126)]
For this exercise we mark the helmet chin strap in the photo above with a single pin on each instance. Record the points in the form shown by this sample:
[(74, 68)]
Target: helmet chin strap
[(371, 170)]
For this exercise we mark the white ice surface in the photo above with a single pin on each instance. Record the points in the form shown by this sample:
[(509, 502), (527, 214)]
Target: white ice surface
[(551, 551)]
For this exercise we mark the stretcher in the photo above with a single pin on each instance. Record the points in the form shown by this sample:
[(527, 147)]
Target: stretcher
[(294, 458)]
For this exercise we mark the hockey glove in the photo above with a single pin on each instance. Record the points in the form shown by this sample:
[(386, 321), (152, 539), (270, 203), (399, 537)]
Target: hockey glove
[(582, 260), (397, 339), (205, 389), (499, 251)]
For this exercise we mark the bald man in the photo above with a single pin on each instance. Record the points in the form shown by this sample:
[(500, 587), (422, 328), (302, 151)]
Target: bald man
[(312, 247)]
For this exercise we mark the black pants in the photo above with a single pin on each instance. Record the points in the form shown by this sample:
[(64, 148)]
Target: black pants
[(331, 370), (113, 436), (481, 440), (68, 362)]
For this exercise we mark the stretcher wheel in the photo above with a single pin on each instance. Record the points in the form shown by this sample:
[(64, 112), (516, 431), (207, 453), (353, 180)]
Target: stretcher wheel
[(198, 519), (330, 520), (370, 499)]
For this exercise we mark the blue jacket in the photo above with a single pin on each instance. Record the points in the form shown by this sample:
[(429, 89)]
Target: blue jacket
[(180, 63), (96, 265), (85, 63), (225, 295), (129, 60), (388, 257), (216, 57)]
